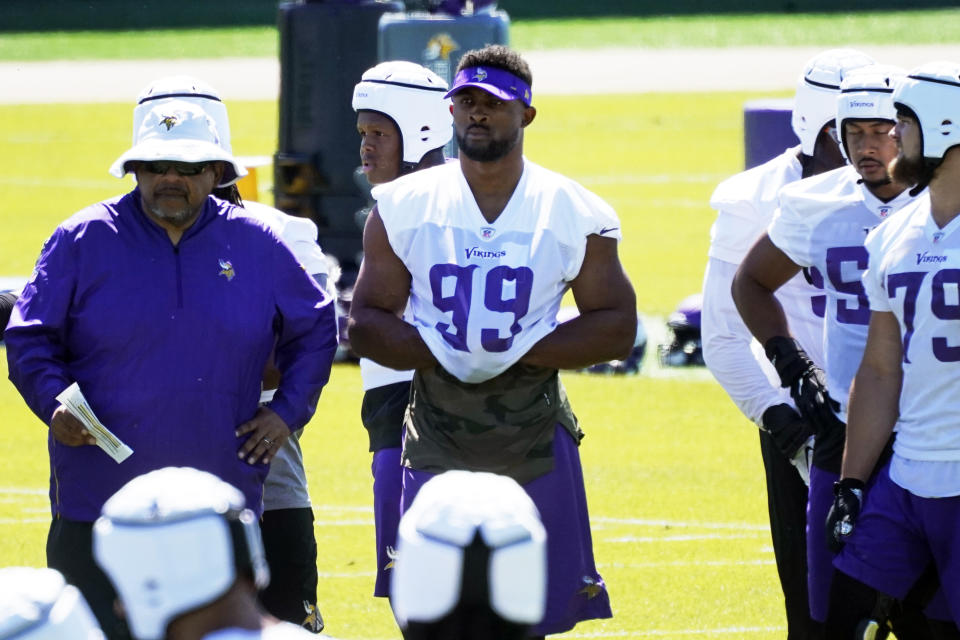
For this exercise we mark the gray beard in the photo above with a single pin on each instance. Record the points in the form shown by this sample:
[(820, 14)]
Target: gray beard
[(176, 218)]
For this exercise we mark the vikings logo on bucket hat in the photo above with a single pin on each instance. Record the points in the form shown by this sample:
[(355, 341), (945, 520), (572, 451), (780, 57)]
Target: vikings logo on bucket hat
[(181, 131)]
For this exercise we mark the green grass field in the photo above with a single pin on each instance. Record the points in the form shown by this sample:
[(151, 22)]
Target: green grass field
[(673, 473)]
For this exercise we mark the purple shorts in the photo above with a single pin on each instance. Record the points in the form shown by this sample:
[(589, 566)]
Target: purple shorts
[(897, 535), (819, 557), (387, 486), (576, 592)]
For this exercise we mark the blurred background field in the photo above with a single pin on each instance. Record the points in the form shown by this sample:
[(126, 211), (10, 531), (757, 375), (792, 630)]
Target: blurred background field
[(931, 26), (673, 473)]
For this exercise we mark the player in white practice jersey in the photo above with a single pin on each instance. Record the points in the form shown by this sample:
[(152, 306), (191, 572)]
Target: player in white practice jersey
[(484, 250), (822, 223), (404, 121), (287, 522), (745, 204), (186, 558), (907, 381)]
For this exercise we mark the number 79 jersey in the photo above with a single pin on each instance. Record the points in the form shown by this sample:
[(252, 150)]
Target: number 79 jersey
[(483, 293), (914, 272)]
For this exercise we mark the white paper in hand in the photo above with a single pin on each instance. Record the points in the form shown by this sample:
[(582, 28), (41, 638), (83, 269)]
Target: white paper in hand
[(72, 398)]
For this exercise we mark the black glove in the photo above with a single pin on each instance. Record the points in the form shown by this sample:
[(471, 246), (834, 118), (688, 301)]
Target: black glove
[(7, 301), (786, 428), (847, 501), (806, 381)]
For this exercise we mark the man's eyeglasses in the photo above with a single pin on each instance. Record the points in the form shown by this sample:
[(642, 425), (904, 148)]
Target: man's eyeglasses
[(182, 168)]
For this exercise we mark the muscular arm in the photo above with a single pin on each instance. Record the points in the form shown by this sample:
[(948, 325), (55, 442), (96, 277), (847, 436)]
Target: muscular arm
[(764, 269), (376, 327), (607, 325), (874, 397)]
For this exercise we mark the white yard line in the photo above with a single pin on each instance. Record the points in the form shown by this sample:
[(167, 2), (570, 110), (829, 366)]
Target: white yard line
[(659, 633), (735, 526), (23, 491), (686, 538)]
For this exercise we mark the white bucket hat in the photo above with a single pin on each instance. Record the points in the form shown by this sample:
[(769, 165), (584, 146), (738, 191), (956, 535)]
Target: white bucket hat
[(180, 131), (188, 89)]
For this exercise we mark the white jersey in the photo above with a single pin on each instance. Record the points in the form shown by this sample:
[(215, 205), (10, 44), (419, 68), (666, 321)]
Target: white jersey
[(286, 484), (279, 631), (373, 374), (914, 272), (483, 293), (822, 224), (745, 204)]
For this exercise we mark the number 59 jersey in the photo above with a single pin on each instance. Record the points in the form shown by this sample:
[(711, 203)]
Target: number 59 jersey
[(482, 293), (914, 272), (822, 224)]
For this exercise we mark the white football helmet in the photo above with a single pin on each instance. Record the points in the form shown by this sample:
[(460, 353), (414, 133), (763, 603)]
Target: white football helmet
[(448, 514), (174, 540), (38, 604), (412, 96), (867, 94), (815, 103), (932, 92), (197, 92)]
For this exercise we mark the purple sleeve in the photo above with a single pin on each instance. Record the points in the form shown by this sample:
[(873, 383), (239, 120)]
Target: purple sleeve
[(36, 335), (307, 340)]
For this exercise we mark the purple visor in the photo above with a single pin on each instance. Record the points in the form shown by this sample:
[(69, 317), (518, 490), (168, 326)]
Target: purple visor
[(497, 82)]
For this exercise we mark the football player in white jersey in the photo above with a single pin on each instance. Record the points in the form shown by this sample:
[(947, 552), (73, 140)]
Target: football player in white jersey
[(404, 121), (745, 204), (287, 521), (187, 559), (483, 250), (821, 224), (907, 381)]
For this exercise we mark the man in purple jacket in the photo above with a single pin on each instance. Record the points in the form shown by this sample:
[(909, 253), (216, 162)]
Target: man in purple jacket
[(163, 306)]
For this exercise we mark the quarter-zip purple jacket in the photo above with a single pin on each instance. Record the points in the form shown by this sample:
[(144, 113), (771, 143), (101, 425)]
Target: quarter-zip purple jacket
[(168, 344)]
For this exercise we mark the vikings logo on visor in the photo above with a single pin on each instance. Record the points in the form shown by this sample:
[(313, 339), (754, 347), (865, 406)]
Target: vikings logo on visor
[(497, 82)]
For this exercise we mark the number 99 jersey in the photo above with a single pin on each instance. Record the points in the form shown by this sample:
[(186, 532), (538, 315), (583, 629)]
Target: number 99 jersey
[(914, 272), (821, 225), (482, 293)]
